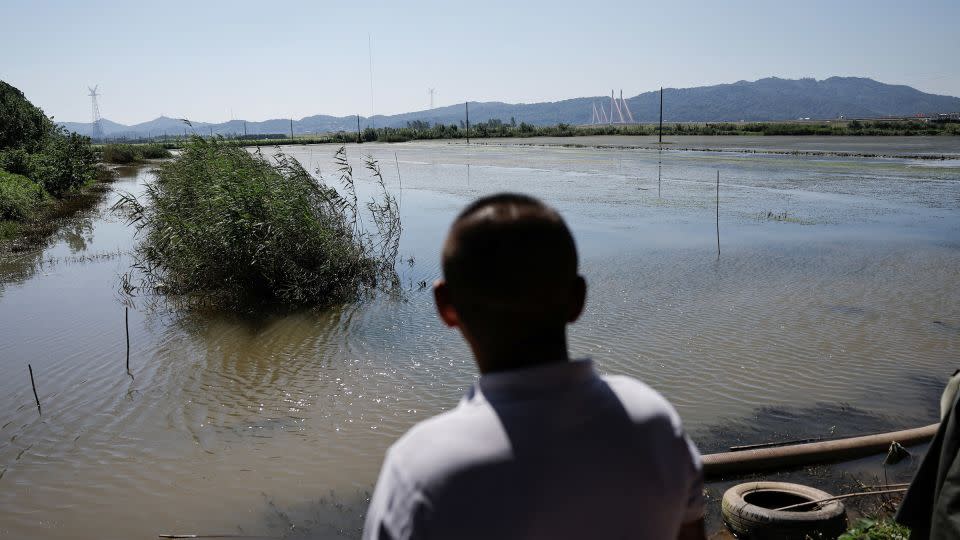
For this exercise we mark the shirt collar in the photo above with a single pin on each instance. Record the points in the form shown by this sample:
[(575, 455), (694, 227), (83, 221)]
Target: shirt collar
[(539, 378)]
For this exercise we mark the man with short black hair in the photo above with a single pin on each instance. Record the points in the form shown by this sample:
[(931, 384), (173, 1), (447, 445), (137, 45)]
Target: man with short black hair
[(541, 446)]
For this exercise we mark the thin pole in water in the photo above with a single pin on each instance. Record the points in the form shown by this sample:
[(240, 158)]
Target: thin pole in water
[(718, 213), (34, 385), (661, 115), (659, 168), (126, 322), (467, 105), (399, 180)]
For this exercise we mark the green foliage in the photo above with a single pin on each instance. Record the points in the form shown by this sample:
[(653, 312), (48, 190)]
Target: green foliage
[(31, 145), (119, 153), (132, 153), (223, 228), (22, 125), (15, 160), (66, 162), (872, 529), (19, 197), (8, 230), (154, 151)]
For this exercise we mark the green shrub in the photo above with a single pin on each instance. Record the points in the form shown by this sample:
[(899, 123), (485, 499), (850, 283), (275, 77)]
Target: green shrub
[(153, 151), (65, 163), (22, 125), (9, 230), (123, 154), (119, 153), (19, 197), (15, 160), (224, 228)]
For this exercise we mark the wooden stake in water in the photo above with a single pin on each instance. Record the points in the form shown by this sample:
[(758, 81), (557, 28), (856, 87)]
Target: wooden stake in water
[(34, 385), (399, 180), (659, 168), (126, 321), (718, 213), (661, 115)]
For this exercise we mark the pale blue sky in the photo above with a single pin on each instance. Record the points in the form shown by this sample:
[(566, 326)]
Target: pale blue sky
[(203, 59)]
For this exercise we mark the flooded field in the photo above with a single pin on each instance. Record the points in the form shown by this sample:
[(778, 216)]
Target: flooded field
[(833, 308)]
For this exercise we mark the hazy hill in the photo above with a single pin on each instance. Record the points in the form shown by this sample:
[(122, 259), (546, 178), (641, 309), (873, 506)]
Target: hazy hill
[(765, 99)]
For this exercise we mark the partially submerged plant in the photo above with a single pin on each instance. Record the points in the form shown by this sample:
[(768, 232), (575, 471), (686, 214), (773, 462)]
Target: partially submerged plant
[(225, 228)]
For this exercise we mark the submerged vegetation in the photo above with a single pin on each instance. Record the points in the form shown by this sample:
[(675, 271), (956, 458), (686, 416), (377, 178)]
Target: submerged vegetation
[(225, 228), (39, 162), (132, 153)]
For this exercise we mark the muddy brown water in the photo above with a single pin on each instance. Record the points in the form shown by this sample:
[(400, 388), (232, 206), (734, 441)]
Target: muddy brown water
[(841, 317)]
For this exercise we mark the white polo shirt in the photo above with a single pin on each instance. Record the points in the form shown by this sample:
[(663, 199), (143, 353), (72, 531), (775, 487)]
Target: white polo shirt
[(550, 452)]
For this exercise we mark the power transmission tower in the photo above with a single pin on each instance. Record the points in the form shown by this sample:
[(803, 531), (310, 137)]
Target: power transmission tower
[(625, 108), (431, 91), (96, 122), (615, 105), (618, 108)]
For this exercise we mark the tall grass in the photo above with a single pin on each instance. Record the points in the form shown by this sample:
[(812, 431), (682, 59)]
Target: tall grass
[(132, 153), (224, 228)]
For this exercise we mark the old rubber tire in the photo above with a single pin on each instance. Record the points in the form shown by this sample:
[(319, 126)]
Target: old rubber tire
[(756, 522)]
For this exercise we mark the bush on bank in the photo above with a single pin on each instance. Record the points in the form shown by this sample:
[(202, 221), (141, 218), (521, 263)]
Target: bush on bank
[(37, 158), (221, 227), (19, 197), (132, 153)]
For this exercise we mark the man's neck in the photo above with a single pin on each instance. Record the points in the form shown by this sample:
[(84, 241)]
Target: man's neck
[(520, 354)]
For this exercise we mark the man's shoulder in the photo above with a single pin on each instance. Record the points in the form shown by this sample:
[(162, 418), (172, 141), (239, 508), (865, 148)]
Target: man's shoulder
[(641, 402), (466, 434)]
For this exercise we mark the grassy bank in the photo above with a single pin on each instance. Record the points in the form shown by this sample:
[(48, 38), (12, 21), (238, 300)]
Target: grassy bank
[(40, 164), (226, 229)]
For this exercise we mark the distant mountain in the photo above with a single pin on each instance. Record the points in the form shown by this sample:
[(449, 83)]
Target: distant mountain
[(767, 99)]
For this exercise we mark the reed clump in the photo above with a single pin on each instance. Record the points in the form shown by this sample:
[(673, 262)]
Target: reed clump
[(224, 228), (123, 154)]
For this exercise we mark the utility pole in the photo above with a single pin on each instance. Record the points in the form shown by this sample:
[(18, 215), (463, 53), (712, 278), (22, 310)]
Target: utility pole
[(291, 129), (467, 105), (718, 213), (358, 129), (661, 115), (244, 129)]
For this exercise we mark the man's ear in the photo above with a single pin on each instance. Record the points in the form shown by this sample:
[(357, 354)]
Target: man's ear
[(578, 299), (441, 296)]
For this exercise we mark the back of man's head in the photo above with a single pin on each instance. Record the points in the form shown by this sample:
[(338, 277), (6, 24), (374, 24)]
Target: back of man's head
[(510, 267)]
